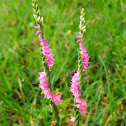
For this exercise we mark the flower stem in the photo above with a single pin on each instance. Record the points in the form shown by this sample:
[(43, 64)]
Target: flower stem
[(55, 113), (80, 70), (77, 116)]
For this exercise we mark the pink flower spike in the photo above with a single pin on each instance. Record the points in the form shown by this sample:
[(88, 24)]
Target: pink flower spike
[(56, 99), (75, 90), (78, 41), (84, 57), (36, 27), (40, 37), (78, 37), (46, 52), (38, 32)]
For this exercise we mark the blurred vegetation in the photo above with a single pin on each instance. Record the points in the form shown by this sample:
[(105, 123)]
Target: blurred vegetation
[(21, 102)]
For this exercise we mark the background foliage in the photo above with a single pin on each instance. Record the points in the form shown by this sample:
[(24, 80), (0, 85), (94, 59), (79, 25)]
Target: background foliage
[(21, 102)]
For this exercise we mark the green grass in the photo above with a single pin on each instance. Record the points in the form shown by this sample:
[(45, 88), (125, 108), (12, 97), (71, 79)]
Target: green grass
[(21, 102)]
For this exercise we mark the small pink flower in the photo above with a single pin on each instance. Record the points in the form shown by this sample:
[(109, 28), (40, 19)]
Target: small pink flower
[(83, 52), (76, 93), (78, 41), (38, 32), (53, 123), (36, 27), (56, 99), (71, 121), (79, 100), (78, 37)]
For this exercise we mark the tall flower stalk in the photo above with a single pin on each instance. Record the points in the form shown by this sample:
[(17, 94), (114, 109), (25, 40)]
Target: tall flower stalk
[(48, 61), (77, 81)]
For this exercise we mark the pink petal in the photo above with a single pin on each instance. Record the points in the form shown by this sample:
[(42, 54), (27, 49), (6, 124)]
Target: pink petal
[(40, 37), (36, 27), (38, 32), (78, 41), (78, 37)]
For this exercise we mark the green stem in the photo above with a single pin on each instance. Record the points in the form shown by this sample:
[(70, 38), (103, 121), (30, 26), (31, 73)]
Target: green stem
[(55, 113), (80, 70), (77, 116)]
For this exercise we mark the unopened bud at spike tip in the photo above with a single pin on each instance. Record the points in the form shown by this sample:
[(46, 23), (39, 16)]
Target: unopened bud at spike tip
[(83, 11)]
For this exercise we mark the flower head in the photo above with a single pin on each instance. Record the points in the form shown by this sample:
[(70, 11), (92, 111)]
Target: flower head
[(53, 123)]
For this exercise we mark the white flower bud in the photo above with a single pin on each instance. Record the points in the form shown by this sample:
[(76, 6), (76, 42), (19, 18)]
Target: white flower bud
[(35, 16), (38, 20), (33, 5), (34, 11)]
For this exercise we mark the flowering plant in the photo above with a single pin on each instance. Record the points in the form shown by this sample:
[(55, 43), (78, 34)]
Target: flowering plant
[(48, 61), (83, 58)]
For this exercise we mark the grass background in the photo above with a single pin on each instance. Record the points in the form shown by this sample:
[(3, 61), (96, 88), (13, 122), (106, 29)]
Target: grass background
[(21, 102)]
